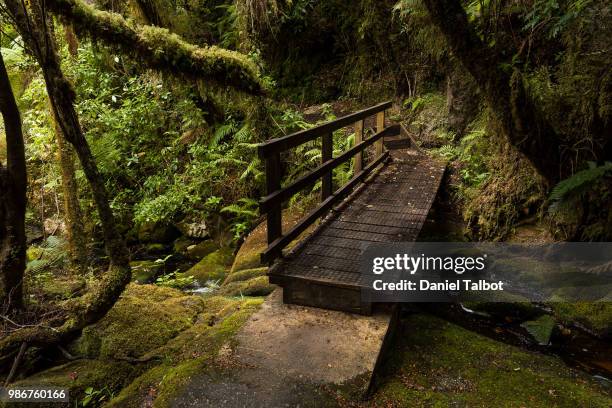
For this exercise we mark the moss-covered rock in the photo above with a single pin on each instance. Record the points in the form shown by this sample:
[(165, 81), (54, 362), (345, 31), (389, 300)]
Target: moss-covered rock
[(245, 275), (259, 286), (595, 316), (62, 286), (438, 363), (146, 271), (213, 266), (191, 352), (79, 375), (202, 249), (144, 318)]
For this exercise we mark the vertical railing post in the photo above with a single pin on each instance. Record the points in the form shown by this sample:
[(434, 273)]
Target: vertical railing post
[(273, 178), (327, 148), (380, 125), (358, 160)]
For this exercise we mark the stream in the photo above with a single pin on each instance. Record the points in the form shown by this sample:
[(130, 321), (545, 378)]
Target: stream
[(575, 345)]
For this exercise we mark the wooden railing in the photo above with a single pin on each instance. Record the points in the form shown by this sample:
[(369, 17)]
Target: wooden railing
[(271, 150)]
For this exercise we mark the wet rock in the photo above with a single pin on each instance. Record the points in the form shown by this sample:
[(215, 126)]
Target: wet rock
[(198, 229), (245, 275), (213, 266), (259, 286), (200, 250)]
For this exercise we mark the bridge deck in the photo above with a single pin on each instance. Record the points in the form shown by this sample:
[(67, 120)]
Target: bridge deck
[(391, 207)]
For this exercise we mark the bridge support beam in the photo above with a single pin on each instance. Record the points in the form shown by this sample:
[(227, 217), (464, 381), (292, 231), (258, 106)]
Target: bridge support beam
[(380, 125), (358, 163), (327, 149)]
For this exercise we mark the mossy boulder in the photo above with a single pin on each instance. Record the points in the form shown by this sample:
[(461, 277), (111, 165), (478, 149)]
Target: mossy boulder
[(144, 318), (213, 266), (146, 271), (201, 249), (191, 352), (258, 286), (79, 375), (437, 363), (245, 275)]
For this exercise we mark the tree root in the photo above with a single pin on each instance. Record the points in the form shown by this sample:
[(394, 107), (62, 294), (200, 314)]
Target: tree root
[(22, 350)]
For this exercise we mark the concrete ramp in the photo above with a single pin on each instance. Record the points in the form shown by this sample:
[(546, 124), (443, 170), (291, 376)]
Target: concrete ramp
[(287, 354)]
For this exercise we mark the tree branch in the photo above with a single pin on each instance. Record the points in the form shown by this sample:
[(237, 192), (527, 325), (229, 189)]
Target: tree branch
[(159, 48)]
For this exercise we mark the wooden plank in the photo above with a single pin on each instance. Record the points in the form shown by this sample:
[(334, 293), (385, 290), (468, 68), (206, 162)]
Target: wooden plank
[(391, 207), (355, 225), (321, 276), (332, 252), (360, 235), (380, 125), (341, 242), (275, 248), (295, 139), (338, 264)]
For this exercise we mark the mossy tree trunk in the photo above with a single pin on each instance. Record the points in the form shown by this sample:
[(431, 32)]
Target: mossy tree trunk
[(75, 230), (13, 186), (34, 26), (523, 124)]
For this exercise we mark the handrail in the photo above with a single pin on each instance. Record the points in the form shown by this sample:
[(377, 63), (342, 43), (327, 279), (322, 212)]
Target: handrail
[(270, 151), (283, 143)]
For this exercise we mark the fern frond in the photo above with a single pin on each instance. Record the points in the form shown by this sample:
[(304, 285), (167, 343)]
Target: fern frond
[(580, 181)]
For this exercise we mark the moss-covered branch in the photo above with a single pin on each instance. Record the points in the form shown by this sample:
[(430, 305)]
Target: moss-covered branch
[(159, 48)]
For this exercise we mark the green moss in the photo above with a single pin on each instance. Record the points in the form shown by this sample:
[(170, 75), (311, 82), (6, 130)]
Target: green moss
[(78, 375), (213, 266), (248, 259), (33, 253), (145, 271), (259, 286), (190, 353), (540, 328), (596, 316), (62, 287), (246, 274), (144, 318), (438, 363), (161, 49), (202, 249)]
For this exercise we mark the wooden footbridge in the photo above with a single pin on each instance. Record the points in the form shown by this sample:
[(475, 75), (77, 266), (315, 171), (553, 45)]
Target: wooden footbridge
[(387, 200)]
